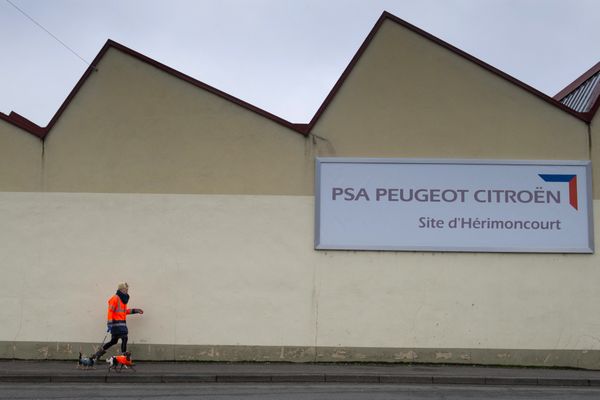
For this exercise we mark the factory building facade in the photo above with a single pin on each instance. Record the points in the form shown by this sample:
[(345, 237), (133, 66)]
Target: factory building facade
[(205, 205)]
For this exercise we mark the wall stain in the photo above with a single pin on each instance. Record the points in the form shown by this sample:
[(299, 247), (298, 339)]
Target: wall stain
[(339, 354), (43, 351), (409, 355)]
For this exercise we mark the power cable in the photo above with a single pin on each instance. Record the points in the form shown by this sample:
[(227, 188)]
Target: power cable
[(49, 33)]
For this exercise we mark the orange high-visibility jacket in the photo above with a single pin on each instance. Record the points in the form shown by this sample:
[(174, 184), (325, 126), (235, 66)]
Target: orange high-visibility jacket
[(117, 315)]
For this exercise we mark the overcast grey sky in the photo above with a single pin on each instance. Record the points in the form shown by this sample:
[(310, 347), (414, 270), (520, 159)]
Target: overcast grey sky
[(280, 55)]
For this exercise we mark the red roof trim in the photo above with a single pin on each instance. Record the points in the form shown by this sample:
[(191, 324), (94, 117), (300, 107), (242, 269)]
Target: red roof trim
[(595, 104), (303, 129), (42, 132), (348, 70), (21, 122), (577, 82), (594, 98), (385, 16), (295, 127)]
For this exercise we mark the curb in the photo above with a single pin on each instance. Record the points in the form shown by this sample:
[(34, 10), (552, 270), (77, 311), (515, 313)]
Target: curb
[(299, 378)]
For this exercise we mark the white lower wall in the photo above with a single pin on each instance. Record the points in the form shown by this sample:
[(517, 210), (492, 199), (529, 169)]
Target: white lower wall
[(241, 270)]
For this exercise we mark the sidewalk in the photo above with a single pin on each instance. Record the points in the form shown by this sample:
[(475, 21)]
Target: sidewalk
[(191, 372)]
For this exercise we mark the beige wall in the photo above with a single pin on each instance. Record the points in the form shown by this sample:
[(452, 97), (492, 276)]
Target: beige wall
[(206, 209), (20, 159), (594, 130), (134, 128), (206, 269), (241, 270), (408, 97)]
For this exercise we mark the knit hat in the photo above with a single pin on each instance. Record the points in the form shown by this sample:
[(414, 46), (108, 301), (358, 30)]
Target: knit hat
[(122, 286)]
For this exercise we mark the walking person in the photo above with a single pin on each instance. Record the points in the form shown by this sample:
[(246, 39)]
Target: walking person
[(116, 319)]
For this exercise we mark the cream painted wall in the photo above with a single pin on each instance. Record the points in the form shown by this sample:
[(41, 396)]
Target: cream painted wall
[(594, 130), (206, 269), (241, 270), (20, 159), (408, 97), (134, 128), (228, 258)]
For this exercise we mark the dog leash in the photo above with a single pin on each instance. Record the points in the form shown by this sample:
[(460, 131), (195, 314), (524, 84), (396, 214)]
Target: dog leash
[(104, 340), (102, 344)]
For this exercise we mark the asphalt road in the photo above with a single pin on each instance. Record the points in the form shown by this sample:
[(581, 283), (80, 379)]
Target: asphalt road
[(289, 392)]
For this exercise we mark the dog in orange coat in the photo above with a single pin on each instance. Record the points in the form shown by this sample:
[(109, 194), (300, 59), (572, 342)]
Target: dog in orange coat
[(119, 362)]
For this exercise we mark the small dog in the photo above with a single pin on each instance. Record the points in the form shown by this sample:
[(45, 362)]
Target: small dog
[(119, 362), (85, 362)]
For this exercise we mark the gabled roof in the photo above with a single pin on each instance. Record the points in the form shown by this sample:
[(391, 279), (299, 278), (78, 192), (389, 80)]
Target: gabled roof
[(304, 129), (583, 94), (41, 132)]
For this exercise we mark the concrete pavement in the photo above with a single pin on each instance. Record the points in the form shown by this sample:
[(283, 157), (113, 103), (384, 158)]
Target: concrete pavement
[(192, 372)]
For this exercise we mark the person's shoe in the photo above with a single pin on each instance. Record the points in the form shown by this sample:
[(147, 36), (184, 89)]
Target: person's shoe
[(98, 354)]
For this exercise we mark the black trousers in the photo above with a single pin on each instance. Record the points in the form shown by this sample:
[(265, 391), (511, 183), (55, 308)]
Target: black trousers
[(114, 339)]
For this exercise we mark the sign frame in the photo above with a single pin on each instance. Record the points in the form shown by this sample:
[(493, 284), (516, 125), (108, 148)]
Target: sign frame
[(320, 161)]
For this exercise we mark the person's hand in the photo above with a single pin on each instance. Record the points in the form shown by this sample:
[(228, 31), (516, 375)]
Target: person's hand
[(140, 311)]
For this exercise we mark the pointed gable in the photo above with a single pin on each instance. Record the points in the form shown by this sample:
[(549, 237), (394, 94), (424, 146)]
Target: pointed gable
[(132, 124), (409, 94), (583, 94), (135, 126)]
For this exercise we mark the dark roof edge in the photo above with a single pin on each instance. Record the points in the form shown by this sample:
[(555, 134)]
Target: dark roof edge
[(42, 132), (348, 70), (595, 104), (21, 122), (388, 16), (595, 96), (577, 82), (300, 128), (304, 129)]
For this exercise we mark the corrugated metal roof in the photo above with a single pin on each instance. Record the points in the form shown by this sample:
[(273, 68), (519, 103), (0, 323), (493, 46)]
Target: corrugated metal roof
[(582, 98)]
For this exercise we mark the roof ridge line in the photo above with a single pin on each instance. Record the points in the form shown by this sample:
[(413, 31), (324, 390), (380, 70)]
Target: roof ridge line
[(20, 121), (577, 82), (387, 15), (41, 132), (302, 128), (298, 127)]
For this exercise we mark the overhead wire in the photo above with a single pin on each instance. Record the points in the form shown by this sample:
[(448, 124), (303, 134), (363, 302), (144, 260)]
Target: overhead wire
[(50, 33)]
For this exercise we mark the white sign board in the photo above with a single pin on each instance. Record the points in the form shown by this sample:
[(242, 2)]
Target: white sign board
[(450, 205)]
